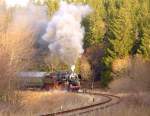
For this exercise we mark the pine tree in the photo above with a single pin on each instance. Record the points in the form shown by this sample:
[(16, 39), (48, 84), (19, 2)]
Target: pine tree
[(145, 42), (52, 6), (137, 17), (141, 22), (119, 35), (144, 48), (94, 24)]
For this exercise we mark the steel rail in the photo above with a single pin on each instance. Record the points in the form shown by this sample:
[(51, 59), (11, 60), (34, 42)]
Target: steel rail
[(90, 108)]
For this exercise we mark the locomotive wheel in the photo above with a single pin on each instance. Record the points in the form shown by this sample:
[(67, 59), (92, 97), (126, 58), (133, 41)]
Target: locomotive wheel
[(58, 86), (46, 87), (73, 88)]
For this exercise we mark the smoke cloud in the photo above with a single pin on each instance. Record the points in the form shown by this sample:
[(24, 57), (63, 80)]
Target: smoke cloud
[(65, 33), (32, 17), (27, 16), (12, 3)]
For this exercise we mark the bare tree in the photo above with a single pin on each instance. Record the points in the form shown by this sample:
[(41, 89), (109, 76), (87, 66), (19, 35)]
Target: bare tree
[(16, 49)]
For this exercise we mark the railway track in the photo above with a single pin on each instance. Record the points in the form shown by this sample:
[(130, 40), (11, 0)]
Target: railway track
[(109, 101)]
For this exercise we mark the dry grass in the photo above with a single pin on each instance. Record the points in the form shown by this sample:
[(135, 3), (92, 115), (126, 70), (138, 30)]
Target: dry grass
[(122, 110), (36, 103), (131, 105), (136, 79)]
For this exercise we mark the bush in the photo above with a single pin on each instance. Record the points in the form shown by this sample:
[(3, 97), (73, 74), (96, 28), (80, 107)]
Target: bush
[(105, 78), (85, 69)]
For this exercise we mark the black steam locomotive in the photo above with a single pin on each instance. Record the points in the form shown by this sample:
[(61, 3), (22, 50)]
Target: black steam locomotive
[(47, 81), (62, 80)]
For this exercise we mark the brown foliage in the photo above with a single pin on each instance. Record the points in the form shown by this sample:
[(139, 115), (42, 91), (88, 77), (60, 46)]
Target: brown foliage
[(135, 78), (94, 56), (85, 69), (120, 64), (15, 52)]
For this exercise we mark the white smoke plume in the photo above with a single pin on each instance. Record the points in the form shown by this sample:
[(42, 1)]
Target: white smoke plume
[(65, 33), (26, 13), (31, 17), (27, 16), (13, 3)]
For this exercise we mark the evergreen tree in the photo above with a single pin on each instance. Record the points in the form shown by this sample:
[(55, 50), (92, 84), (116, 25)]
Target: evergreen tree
[(137, 15), (144, 47), (119, 36), (94, 24), (52, 6), (141, 22), (145, 42)]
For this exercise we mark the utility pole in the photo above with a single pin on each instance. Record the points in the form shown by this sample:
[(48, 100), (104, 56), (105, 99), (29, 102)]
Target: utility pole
[(92, 82)]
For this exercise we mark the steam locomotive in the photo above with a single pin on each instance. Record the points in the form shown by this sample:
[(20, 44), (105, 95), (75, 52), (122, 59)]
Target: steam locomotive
[(56, 80), (63, 80)]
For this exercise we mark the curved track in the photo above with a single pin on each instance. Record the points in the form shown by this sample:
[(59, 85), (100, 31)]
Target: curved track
[(109, 101)]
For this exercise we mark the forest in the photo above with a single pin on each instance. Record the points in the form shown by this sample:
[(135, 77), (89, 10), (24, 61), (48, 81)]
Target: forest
[(109, 48), (118, 28)]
